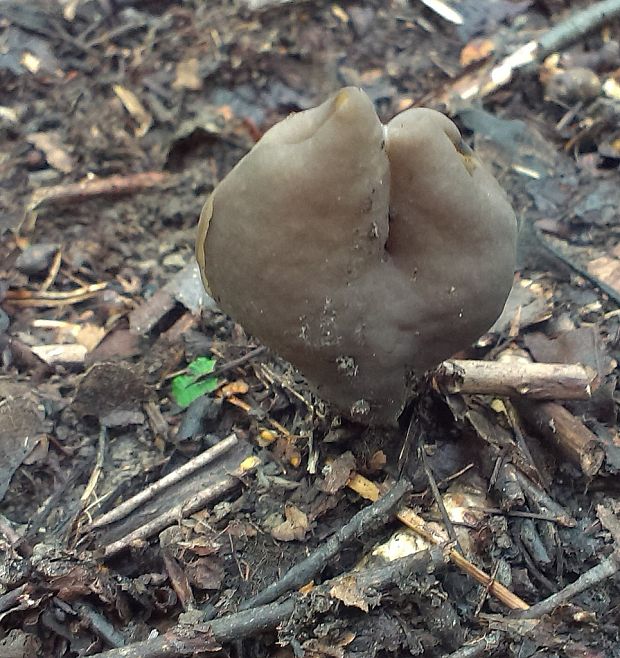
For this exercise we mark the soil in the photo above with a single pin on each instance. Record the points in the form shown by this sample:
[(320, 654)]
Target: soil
[(117, 118)]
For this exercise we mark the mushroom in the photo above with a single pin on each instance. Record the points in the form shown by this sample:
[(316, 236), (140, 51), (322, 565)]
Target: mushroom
[(362, 253)]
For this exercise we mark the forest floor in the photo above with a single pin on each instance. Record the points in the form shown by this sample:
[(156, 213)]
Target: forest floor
[(117, 118)]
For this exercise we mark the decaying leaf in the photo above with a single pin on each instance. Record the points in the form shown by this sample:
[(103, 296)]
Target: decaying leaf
[(337, 473), (55, 152), (294, 528), (108, 387), (347, 591), (21, 423), (528, 303), (187, 75), (582, 345), (607, 268), (133, 105)]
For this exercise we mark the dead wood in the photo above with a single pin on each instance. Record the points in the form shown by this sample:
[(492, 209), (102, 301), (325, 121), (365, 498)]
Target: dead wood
[(369, 490), (605, 569), (97, 187), (162, 484), (555, 423), (541, 381), (374, 515), (479, 647), (185, 639), (182, 510)]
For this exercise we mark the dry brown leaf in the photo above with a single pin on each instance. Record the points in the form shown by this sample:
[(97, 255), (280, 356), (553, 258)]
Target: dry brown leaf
[(338, 473), (54, 150), (61, 354), (187, 75), (347, 591), (234, 388), (135, 108), (476, 50), (294, 527), (90, 335), (607, 269)]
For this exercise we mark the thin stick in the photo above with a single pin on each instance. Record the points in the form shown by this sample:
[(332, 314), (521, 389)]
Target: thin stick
[(541, 381), (608, 567), (486, 79), (479, 647), (229, 365), (238, 402), (370, 490), (558, 425), (39, 298), (578, 25), (97, 187), (94, 476), (182, 510), (369, 517), (542, 499), (184, 639), (204, 458), (447, 522)]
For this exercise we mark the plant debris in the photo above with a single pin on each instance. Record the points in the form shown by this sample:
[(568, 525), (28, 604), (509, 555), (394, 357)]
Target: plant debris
[(243, 521)]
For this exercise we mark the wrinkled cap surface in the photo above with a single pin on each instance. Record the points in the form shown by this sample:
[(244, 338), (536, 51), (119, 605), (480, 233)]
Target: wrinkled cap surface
[(364, 254)]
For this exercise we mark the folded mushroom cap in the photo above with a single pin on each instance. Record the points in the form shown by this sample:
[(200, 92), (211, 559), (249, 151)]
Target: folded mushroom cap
[(364, 254)]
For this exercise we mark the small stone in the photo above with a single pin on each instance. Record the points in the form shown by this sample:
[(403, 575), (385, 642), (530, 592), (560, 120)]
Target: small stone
[(36, 258)]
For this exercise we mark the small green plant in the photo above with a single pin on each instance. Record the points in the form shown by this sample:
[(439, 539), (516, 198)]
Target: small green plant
[(187, 388)]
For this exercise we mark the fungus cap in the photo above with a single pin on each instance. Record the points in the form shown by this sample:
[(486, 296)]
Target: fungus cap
[(363, 253)]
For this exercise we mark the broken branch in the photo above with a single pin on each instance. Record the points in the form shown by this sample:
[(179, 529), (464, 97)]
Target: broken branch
[(541, 381), (555, 423), (370, 490), (377, 513)]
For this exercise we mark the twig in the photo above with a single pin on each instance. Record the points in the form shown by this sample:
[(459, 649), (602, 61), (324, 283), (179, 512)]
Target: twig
[(608, 567), (447, 522), (479, 647), (370, 490), (99, 624), (225, 367), (534, 570), (94, 476), (484, 595), (543, 500), (160, 485), (97, 187), (244, 406), (180, 511), (376, 514), (444, 10), (517, 514), (487, 79), (53, 271), (187, 639), (183, 640), (605, 288), (234, 363), (47, 298), (541, 381), (577, 26), (558, 425)]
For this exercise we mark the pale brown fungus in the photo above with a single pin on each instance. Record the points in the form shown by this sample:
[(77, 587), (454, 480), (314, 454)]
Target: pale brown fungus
[(364, 254)]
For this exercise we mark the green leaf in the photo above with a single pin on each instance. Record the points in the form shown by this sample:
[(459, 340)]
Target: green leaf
[(203, 365), (187, 388)]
